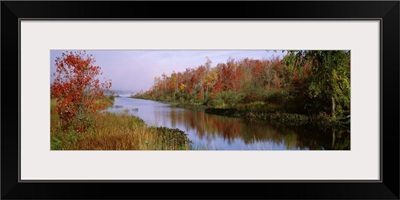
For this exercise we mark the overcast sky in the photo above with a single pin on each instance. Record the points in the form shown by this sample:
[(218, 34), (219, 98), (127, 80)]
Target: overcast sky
[(133, 71)]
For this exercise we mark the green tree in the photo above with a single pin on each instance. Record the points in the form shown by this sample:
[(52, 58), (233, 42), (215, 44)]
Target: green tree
[(328, 85)]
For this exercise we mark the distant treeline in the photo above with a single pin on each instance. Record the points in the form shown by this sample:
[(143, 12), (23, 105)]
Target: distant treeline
[(304, 82)]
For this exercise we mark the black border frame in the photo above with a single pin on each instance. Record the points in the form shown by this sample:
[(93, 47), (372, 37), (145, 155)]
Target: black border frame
[(387, 12)]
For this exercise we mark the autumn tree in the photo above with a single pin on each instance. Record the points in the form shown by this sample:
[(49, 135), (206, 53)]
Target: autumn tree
[(78, 90)]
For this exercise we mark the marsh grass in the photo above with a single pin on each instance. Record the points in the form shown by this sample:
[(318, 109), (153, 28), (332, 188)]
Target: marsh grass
[(117, 132)]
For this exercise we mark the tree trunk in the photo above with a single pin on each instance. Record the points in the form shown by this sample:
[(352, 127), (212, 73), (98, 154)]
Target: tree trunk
[(333, 107)]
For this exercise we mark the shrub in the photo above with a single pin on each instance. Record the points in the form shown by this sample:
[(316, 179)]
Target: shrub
[(77, 90), (229, 98)]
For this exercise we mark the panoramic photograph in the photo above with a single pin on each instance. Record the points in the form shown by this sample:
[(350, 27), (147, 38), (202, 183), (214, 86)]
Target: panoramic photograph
[(200, 100)]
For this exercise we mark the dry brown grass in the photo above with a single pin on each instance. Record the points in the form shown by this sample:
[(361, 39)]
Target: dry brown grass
[(118, 132)]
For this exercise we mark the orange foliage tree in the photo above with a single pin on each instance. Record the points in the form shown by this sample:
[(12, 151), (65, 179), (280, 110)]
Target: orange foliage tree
[(78, 90)]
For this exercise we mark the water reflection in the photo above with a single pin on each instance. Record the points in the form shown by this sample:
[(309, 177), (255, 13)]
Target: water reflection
[(219, 132)]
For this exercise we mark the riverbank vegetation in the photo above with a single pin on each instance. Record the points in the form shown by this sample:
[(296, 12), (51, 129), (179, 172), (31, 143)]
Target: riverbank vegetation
[(79, 120), (302, 87), (116, 132)]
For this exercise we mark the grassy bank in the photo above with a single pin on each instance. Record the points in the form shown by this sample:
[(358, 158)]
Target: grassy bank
[(117, 132)]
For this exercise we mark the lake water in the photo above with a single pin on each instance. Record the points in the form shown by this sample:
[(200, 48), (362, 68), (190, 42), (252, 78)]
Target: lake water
[(213, 132)]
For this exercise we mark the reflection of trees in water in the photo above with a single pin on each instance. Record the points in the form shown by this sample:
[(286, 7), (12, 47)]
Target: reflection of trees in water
[(209, 127), (318, 138)]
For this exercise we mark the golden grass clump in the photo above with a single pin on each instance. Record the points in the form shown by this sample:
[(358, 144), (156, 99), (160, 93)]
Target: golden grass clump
[(118, 132)]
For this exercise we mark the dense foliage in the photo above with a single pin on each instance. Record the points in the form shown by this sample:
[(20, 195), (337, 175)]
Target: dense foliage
[(78, 91), (305, 82)]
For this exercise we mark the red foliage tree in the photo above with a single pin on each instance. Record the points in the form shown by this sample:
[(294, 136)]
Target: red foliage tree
[(77, 90)]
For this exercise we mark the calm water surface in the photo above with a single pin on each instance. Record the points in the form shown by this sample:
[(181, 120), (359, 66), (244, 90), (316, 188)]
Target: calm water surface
[(213, 132)]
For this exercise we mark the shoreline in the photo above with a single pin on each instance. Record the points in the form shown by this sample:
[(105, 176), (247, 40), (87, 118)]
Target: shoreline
[(277, 118)]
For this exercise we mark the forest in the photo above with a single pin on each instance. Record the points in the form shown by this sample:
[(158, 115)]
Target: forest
[(311, 84)]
